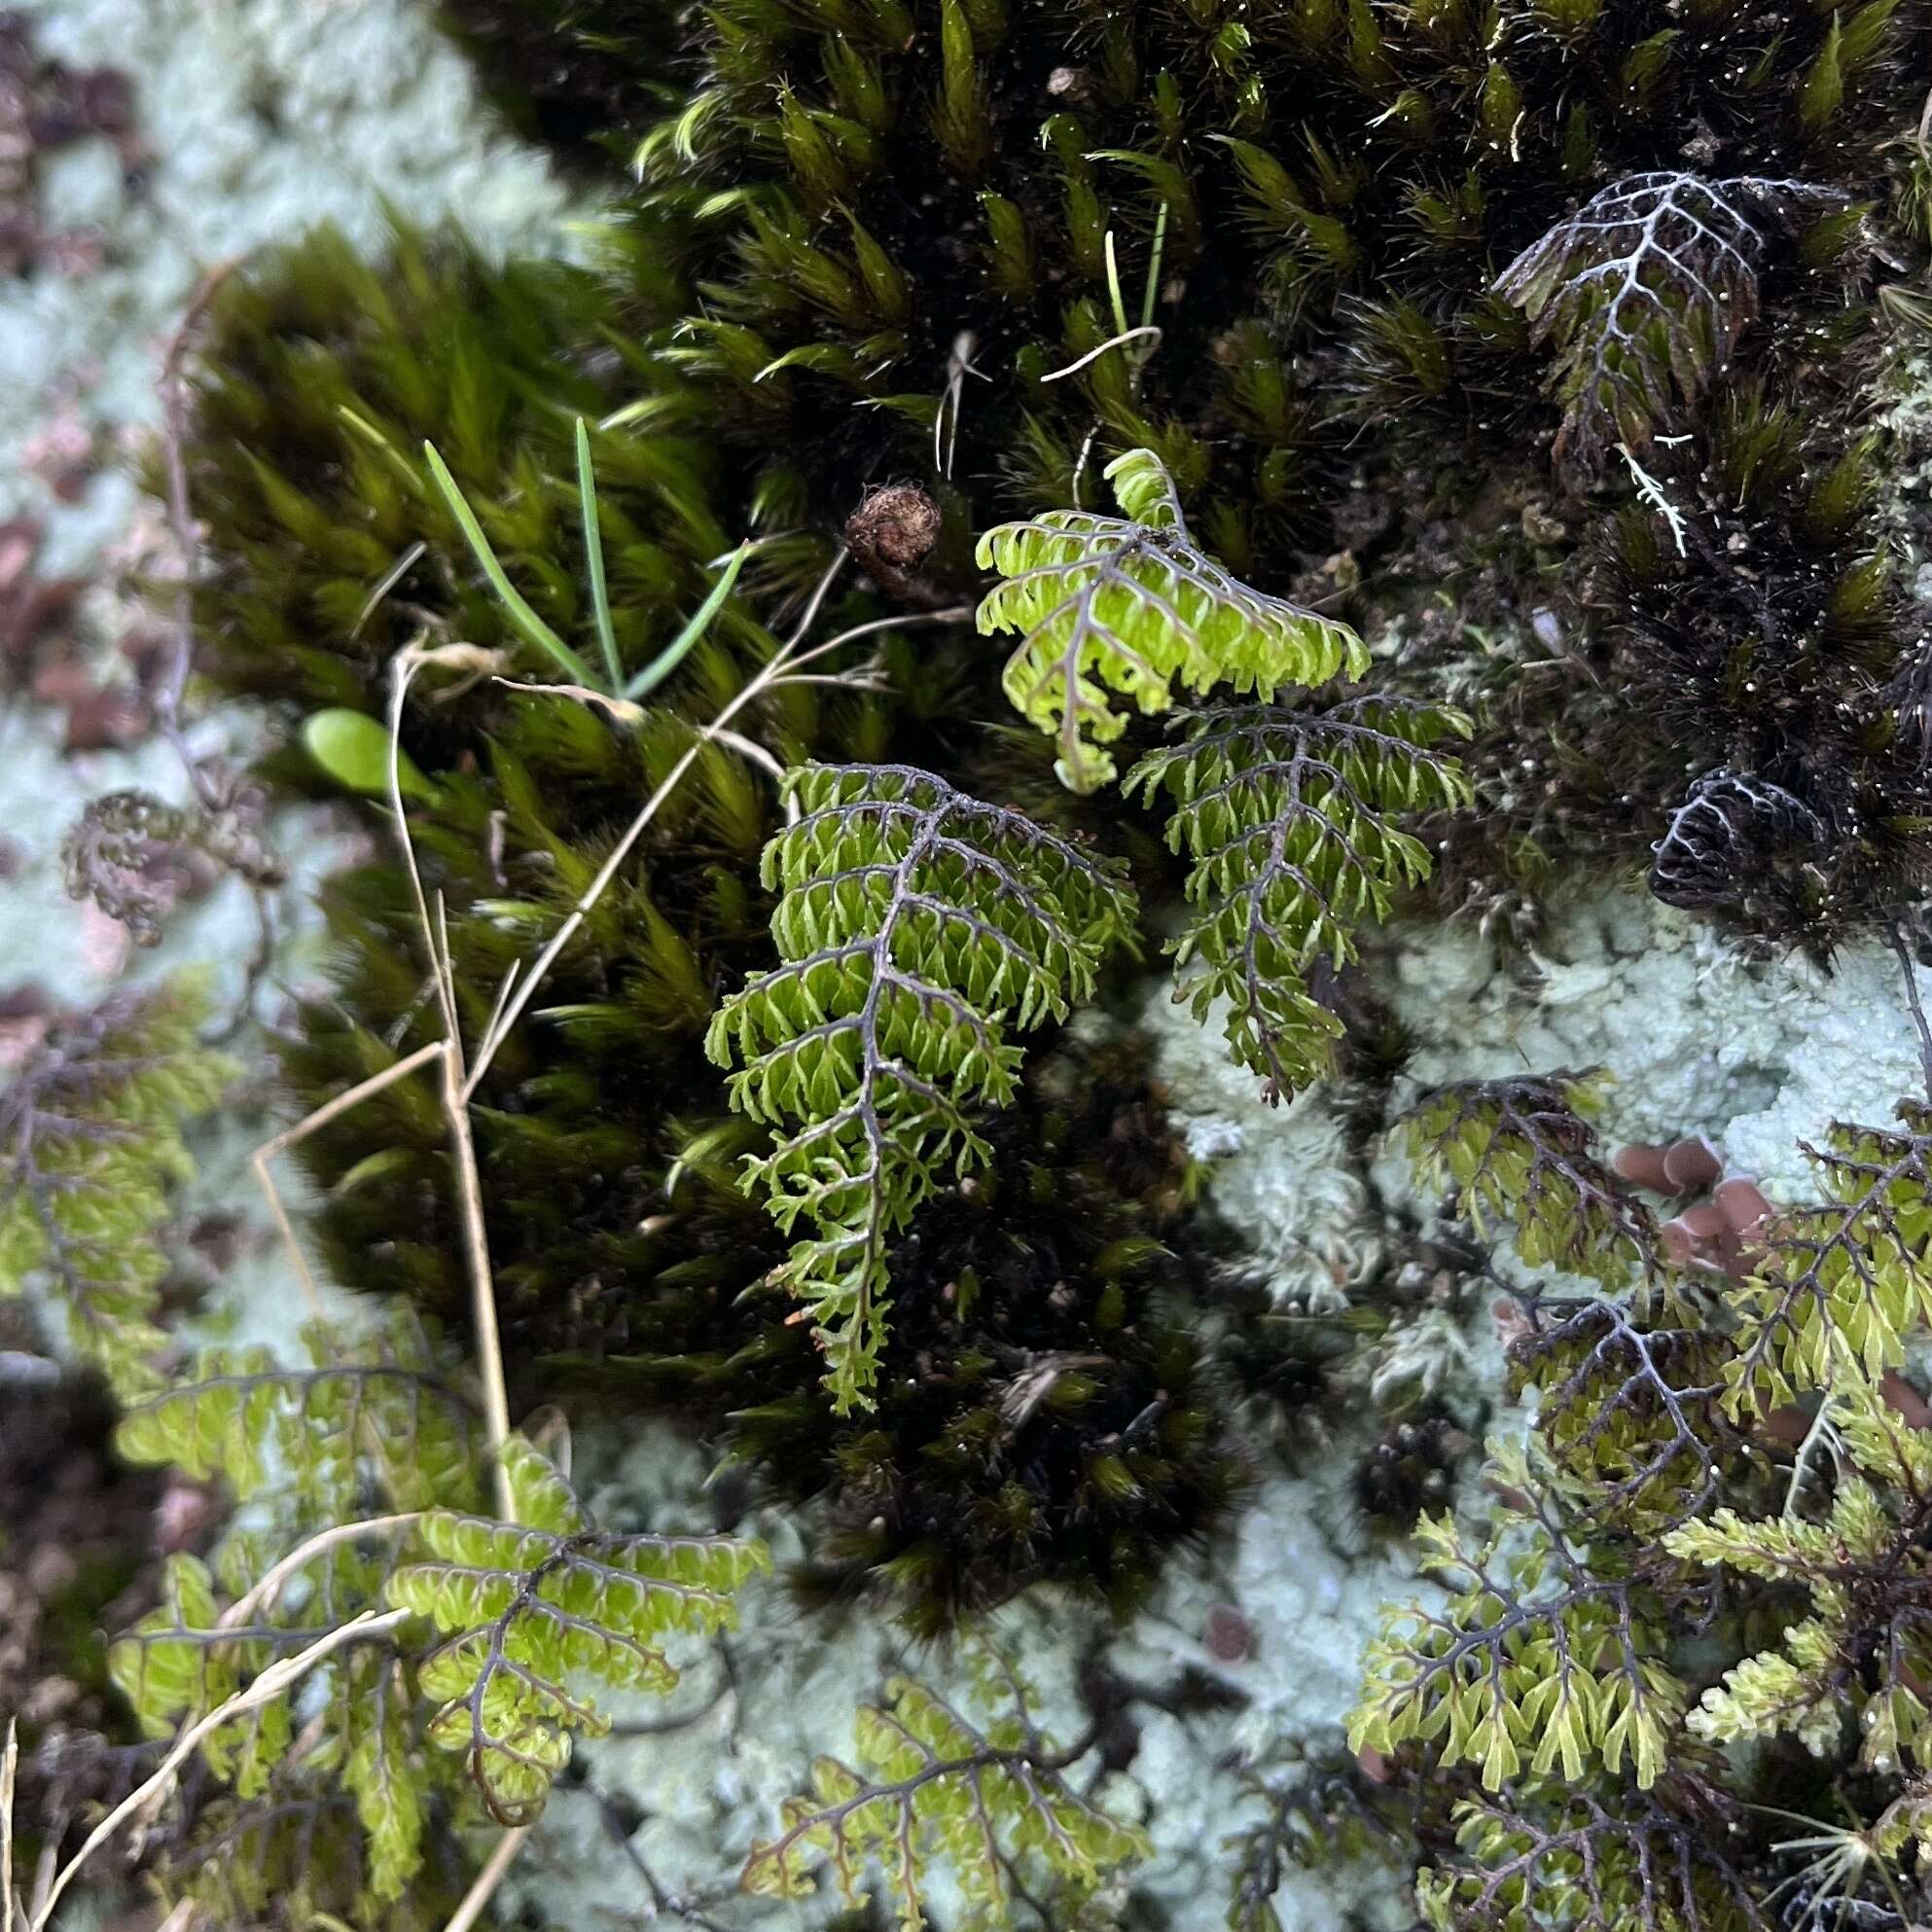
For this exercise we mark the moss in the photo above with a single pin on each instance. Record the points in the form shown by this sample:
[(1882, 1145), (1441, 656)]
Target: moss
[(1047, 1411), (575, 75), (1340, 184), (323, 375)]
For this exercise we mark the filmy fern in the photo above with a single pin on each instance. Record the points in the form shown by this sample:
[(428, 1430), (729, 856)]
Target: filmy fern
[(1129, 607), (918, 930), (1523, 1152), (374, 1411), (1861, 1659), (991, 1804), (1289, 822), (525, 1605), (1845, 1281), (1543, 1660), (1645, 291), (469, 1705), (91, 1137), (305, 1449)]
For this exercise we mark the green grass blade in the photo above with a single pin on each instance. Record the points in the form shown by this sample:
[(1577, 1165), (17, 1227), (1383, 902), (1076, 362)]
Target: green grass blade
[(674, 654), (520, 612), (593, 555)]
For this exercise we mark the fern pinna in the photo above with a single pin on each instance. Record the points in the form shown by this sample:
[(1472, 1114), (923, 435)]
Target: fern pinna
[(522, 1604), (917, 928), (1129, 605), (1289, 820), (1645, 291), (90, 1146), (991, 1804), (337, 1827)]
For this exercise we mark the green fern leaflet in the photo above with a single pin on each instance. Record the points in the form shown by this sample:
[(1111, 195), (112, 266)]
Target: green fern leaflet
[(1845, 1281), (986, 1802), (1290, 823), (1128, 606), (90, 1146), (917, 929), (1523, 1152), (524, 1606)]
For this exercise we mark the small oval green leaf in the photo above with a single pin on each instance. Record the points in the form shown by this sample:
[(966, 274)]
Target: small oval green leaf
[(354, 748)]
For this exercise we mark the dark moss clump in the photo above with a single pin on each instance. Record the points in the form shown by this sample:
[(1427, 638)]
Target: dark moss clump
[(1316, 204), (1046, 1408), (1765, 652), (837, 207), (1334, 189), (322, 377), (1410, 1468), (609, 1164), (573, 74)]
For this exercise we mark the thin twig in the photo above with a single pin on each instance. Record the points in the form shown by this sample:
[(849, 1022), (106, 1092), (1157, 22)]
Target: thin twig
[(479, 1894), (10, 1763), (514, 1009), (483, 1287), (1093, 354), (302, 1129), (455, 1104), (261, 1595)]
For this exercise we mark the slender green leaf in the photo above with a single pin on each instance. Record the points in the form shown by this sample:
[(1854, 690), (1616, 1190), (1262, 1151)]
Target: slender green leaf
[(519, 611), (675, 653), (593, 557)]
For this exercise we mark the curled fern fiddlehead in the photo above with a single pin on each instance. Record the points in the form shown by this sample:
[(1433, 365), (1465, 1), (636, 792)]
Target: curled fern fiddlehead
[(526, 1604), (1129, 605), (917, 929), (1290, 823)]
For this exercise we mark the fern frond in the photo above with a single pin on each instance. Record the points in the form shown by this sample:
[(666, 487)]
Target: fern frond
[(1129, 606), (306, 1451), (1726, 832), (381, 1773), (1844, 1282), (1860, 1660), (1595, 1861), (1289, 820), (380, 1410), (179, 1661), (919, 928), (1645, 291), (1523, 1152), (91, 1137), (934, 1787), (1544, 1659), (525, 1606)]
